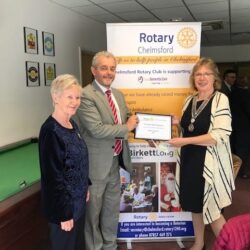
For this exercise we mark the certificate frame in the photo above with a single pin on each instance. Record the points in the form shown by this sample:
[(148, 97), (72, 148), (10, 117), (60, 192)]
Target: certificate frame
[(153, 127)]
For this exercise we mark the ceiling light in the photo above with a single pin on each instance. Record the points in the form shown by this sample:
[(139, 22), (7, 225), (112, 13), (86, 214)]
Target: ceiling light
[(176, 19)]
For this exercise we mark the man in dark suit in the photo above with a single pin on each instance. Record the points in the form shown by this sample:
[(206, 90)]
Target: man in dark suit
[(227, 85), (104, 122), (240, 107), (229, 79)]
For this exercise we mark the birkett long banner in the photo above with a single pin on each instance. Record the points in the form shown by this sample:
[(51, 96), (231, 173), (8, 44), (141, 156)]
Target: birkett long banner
[(154, 64)]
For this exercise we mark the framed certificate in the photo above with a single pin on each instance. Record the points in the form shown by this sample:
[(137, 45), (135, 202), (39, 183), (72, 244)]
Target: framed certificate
[(48, 44), (49, 73), (30, 40), (32, 74), (153, 127)]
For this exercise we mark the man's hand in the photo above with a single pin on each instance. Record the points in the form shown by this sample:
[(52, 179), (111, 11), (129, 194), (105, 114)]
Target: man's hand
[(132, 122)]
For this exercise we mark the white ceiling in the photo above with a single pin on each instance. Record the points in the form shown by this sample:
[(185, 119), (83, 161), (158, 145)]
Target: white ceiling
[(235, 15)]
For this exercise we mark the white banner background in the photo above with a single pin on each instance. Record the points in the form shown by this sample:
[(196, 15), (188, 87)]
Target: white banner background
[(154, 63)]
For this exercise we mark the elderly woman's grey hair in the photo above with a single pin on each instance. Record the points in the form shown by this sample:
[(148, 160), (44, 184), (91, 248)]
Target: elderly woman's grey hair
[(62, 82)]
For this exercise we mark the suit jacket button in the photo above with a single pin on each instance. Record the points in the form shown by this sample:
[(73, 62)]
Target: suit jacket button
[(113, 146)]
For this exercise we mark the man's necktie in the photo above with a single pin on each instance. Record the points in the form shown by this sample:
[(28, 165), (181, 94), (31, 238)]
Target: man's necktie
[(118, 143)]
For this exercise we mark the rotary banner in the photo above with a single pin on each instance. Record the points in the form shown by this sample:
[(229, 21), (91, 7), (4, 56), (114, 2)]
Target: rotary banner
[(154, 64)]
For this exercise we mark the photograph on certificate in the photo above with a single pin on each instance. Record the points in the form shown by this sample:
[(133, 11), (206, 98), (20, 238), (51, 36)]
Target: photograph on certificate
[(154, 127)]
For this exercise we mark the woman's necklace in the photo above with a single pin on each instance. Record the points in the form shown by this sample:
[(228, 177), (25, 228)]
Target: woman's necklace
[(195, 112)]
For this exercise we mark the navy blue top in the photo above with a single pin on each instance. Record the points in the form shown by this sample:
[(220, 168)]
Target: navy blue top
[(64, 168)]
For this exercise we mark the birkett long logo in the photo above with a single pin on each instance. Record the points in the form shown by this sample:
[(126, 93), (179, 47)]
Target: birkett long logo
[(187, 37)]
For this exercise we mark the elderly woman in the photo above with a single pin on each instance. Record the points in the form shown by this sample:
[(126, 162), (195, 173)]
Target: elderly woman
[(204, 175), (64, 166)]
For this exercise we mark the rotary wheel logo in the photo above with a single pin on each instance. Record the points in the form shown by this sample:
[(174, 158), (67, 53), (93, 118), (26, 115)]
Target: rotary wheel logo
[(152, 216), (187, 38)]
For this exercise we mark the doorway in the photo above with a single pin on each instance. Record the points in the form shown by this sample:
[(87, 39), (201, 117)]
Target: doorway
[(86, 76)]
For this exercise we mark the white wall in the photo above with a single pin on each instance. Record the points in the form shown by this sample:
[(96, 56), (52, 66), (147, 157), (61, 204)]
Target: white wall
[(23, 109), (236, 53)]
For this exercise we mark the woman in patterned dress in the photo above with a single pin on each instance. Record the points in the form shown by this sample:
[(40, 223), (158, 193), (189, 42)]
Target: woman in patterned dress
[(204, 176)]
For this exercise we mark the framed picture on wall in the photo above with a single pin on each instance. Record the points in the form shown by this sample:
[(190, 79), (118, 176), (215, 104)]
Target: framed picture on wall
[(49, 73), (30, 40), (48, 44), (32, 74)]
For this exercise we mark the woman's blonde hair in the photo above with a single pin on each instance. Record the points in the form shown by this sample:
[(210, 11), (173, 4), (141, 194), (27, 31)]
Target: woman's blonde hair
[(209, 63)]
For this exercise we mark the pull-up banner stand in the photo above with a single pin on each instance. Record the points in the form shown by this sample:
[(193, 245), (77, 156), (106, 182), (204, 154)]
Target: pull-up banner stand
[(154, 64)]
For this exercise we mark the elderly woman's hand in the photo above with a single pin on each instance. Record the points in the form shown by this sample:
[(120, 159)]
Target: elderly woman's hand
[(67, 225), (88, 196)]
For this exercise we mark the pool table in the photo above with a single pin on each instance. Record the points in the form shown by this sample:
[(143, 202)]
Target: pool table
[(22, 225)]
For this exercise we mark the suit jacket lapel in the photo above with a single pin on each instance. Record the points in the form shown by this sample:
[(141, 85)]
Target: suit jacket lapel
[(102, 97)]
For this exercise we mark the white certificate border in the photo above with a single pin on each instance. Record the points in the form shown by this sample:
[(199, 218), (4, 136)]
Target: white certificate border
[(149, 114)]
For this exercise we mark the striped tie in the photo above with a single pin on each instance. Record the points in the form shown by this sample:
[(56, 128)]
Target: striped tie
[(118, 143)]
